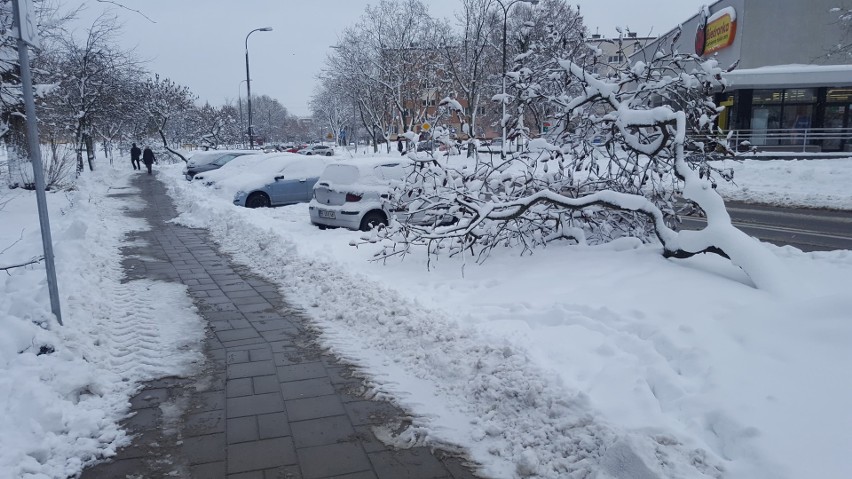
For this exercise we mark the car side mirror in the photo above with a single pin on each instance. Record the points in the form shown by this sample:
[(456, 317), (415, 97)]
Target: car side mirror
[(277, 178)]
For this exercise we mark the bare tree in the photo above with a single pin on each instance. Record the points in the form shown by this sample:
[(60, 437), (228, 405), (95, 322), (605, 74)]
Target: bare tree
[(470, 58), (164, 100), (91, 76)]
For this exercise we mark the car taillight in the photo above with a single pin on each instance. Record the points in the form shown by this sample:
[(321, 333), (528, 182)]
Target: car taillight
[(352, 197)]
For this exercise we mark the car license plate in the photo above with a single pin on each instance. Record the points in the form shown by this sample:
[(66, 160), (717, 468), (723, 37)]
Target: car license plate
[(326, 214)]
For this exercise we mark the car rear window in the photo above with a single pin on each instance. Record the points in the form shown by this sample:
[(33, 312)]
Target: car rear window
[(303, 169), (390, 172), (340, 174)]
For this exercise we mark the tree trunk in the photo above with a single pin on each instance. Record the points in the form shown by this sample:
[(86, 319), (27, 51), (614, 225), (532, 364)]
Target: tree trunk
[(17, 151), (90, 151), (78, 144)]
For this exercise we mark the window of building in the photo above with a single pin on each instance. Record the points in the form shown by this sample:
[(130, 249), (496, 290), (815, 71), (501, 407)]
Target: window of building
[(789, 109), (615, 58), (839, 95)]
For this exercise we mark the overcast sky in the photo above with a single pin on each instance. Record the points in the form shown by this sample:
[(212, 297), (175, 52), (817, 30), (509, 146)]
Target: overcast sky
[(200, 43)]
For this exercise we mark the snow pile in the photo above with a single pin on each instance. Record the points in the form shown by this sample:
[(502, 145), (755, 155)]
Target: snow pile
[(63, 389), (607, 362), (811, 183)]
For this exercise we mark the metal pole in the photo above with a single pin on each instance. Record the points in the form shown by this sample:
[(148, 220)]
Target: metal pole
[(38, 169), (248, 85), (503, 98), (248, 92), (240, 101)]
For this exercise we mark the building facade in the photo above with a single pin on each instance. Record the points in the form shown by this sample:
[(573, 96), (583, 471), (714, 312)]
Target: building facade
[(787, 90)]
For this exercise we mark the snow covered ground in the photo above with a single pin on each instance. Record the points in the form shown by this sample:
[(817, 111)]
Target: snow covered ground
[(611, 361), (60, 410)]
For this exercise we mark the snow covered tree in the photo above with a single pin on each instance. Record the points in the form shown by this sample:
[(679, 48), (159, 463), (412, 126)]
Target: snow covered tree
[(163, 101), (50, 21), (269, 118), (91, 76), (470, 58), (626, 152), (331, 105)]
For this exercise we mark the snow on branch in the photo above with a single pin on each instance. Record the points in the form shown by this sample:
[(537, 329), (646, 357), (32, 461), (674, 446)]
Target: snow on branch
[(629, 150)]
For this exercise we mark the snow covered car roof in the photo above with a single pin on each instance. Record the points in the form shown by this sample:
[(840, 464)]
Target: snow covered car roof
[(204, 157)]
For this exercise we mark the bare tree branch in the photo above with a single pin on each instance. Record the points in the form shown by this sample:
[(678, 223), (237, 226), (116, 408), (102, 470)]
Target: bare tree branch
[(121, 5)]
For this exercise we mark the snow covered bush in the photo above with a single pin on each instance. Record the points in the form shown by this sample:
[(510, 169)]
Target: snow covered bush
[(627, 152)]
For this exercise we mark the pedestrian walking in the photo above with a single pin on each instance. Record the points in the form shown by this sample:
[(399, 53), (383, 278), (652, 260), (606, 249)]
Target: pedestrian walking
[(135, 152), (148, 158), (399, 146)]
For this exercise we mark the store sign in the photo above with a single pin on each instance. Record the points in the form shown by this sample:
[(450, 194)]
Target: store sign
[(716, 32)]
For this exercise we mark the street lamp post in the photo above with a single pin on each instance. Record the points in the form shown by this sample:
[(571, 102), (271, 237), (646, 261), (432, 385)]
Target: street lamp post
[(240, 104), (506, 7), (248, 84)]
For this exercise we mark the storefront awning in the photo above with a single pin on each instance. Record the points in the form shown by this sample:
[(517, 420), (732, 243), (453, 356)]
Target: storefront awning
[(790, 76)]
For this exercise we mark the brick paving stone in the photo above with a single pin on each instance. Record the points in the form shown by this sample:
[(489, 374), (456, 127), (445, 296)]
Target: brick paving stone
[(239, 387), (301, 371), (266, 384), (202, 449), (322, 431), (250, 369), (262, 454), (273, 425), (254, 404), (332, 460), (313, 408), (242, 429), (213, 470), (415, 463), (307, 388)]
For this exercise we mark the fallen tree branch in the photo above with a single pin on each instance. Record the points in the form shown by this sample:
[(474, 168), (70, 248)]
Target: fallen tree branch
[(35, 260)]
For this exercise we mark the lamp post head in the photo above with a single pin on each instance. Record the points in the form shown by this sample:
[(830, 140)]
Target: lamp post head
[(269, 29)]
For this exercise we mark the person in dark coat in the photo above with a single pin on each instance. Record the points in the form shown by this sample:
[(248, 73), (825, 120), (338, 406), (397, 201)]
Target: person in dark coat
[(399, 146), (148, 158), (135, 152)]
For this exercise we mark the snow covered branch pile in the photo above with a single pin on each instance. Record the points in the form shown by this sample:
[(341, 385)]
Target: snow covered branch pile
[(628, 151)]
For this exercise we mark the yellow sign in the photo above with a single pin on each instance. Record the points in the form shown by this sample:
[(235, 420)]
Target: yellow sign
[(426, 126), (718, 33)]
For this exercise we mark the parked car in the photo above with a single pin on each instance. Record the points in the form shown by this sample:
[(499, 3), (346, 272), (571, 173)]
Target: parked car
[(354, 194), (211, 160), (322, 150), (295, 148), (284, 180)]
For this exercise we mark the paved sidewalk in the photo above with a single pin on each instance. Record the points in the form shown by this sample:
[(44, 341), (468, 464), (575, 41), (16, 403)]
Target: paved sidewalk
[(269, 403)]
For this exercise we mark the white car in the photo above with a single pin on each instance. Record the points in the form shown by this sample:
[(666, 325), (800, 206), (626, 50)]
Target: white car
[(355, 194), (321, 150)]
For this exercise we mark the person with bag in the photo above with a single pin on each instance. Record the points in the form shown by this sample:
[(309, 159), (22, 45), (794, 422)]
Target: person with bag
[(148, 158)]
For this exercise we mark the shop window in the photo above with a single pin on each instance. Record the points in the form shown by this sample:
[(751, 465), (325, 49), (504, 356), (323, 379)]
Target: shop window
[(767, 97), (839, 95), (800, 95)]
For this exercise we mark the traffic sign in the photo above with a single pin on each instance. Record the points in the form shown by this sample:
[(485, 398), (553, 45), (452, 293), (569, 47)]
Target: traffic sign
[(425, 126)]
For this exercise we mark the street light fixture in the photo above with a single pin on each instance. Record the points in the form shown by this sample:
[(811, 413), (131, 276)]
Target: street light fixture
[(506, 6), (248, 84)]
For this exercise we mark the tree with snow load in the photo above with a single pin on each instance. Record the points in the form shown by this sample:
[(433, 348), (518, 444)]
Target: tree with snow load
[(627, 153)]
